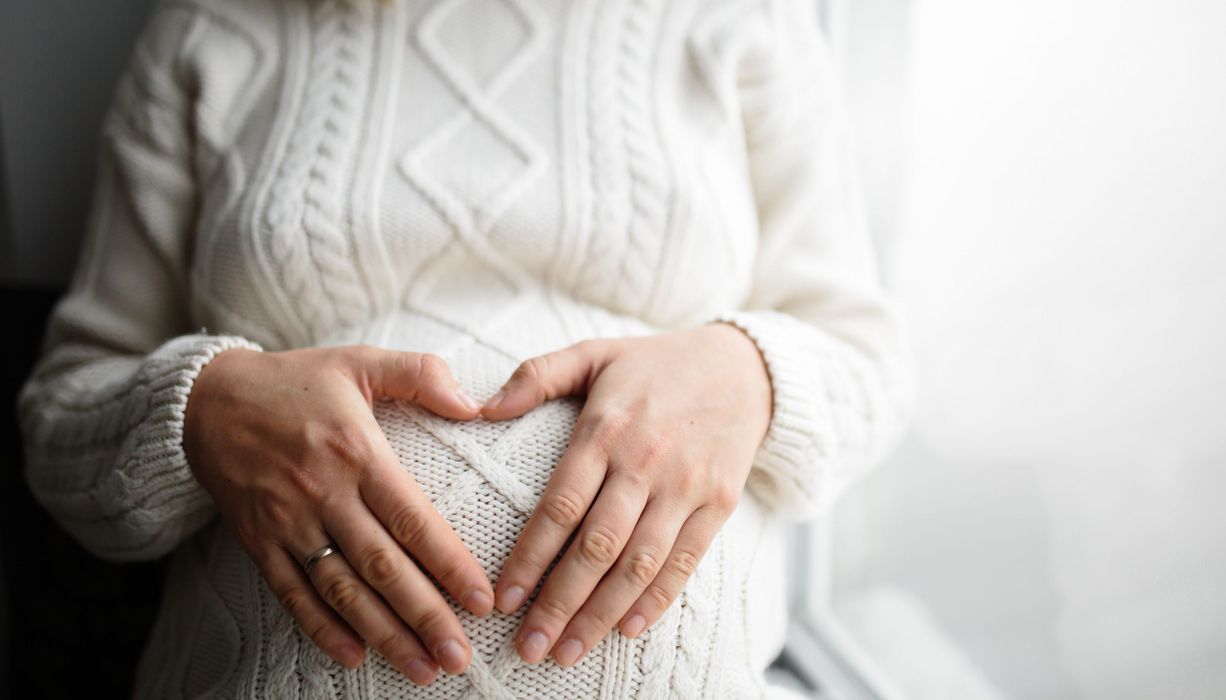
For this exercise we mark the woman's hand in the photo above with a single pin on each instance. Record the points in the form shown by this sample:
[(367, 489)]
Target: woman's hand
[(657, 462), (287, 445)]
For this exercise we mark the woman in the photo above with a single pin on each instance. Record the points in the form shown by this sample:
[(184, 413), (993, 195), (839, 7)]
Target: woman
[(348, 268)]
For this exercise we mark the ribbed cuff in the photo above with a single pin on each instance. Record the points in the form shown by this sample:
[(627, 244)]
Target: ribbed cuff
[(788, 464), (157, 466)]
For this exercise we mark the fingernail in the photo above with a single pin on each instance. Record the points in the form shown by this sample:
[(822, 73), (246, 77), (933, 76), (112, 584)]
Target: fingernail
[(421, 671), (451, 655), (478, 602), (568, 653), (634, 625), (496, 399), (512, 598), (534, 647), (469, 402)]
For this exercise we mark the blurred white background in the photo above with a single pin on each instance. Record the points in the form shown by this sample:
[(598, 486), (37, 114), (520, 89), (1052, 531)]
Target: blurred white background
[(1048, 181), (1054, 527)]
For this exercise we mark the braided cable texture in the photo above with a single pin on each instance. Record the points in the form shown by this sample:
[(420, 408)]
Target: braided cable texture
[(305, 217)]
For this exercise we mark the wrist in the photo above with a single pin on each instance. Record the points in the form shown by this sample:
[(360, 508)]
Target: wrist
[(750, 362), (207, 388)]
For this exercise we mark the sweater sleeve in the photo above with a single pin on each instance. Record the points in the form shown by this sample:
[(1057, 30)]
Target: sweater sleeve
[(102, 413), (831, 337)]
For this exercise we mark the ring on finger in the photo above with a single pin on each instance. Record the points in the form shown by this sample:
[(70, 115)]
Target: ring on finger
[(318, 554)]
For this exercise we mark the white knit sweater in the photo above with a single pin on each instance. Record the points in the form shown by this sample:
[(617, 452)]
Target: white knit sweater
[(486, 180)]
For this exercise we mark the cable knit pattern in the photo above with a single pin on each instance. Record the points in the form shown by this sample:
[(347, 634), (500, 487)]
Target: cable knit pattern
[(544, 173), (132, 428), (609, 208), (649, 174), (317, 268)]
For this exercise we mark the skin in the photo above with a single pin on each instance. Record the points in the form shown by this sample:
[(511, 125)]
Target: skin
[(656, 464), (287, 445)]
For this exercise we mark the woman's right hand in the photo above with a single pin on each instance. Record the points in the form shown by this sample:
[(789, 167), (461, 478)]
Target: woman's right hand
[(287, 445)]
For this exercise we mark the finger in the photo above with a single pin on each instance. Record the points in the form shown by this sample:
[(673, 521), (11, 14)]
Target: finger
[(596, 546), (370, 617), (320, 623), (639, 564), (571, 489), (539, 379), (409, 517), (692, 543), (419, 377), (385, 567)]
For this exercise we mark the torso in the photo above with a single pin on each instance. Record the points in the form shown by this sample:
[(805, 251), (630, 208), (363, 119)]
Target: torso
[(384, 156), (487, 180)]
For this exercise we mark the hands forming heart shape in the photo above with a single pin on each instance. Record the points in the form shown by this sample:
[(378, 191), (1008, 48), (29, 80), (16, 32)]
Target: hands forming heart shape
[(656, 464)]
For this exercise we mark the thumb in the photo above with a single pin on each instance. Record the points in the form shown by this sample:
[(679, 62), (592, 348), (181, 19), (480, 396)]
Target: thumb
[(422, 378), (537, 380)]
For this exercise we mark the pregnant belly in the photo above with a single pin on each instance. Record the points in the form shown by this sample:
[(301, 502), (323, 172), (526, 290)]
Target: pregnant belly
[(485, 479)]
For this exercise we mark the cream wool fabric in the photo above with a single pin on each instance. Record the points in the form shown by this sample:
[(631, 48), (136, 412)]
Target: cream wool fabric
[(487, 180)]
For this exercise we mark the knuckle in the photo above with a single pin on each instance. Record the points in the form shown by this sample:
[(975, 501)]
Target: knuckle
[(341, 592), (408, 525), (637, 480), (685, 478), (316, 631), (590, 626), (404, 364), (553, 608), (391, 644), (431, 620), (309, 486), (598, 623), (348, 443), (534, 369), (379, 567), (431, 368), (609, 425), (658, 596), (642, 568), (363, 356), (276, 512), (249, 535), (527, 560), (684, 562), (452, 570), (598, 546), (564, 508), (725, 498), (362, 353), (656, 448), (295, 601), (261, 555)]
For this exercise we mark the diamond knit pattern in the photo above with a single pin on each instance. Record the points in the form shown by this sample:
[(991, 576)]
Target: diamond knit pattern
[(472, 211)]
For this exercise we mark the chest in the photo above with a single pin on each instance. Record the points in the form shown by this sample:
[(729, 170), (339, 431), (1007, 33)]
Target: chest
[(449, 155)]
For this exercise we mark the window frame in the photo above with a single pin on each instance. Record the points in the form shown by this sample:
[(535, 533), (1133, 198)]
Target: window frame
[(820, 651)]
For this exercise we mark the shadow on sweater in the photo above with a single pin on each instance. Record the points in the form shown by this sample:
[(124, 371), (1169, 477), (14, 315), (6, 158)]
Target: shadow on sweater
[(71, 625)]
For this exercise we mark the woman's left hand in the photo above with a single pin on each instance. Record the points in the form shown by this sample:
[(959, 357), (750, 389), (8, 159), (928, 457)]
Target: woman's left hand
[(657, 462)]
